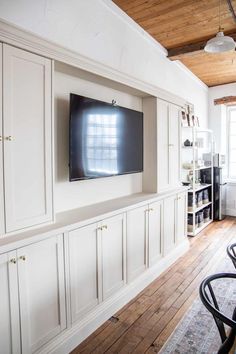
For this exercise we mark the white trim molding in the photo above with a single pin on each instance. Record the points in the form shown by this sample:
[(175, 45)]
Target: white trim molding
[(29, 41)]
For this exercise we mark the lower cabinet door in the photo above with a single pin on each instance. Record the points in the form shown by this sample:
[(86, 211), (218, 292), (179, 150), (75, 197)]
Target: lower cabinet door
[(83, 259), (155, 226), (9, 305), (136, 242), (169, 226), (181, 222), (113, 254), (42, 292)]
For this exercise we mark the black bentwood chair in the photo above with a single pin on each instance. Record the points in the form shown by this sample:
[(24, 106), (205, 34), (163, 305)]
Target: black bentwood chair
[(231, 250), (209, 301)]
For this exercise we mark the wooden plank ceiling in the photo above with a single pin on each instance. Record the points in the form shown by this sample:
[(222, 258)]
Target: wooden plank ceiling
[(183, 27)]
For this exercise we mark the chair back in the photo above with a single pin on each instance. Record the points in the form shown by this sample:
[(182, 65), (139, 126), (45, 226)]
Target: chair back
[(209, 300), (231, 251)]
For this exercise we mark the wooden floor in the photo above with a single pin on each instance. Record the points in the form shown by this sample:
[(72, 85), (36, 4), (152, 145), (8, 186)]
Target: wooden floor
[(145, 323)]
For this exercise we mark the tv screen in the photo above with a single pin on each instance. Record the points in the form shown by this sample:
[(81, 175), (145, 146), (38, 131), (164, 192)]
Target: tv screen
[(105, 139)]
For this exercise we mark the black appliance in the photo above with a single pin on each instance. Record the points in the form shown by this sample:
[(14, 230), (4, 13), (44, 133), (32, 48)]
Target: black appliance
[(105, 139), (219, 194)]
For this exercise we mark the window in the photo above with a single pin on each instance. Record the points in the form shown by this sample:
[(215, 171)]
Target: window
[(231, 133), (101, 149)]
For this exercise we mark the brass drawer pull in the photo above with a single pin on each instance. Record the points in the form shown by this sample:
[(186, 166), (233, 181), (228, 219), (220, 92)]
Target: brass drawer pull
[(23, 258), (9, 138), (104, 227), (13, 260)]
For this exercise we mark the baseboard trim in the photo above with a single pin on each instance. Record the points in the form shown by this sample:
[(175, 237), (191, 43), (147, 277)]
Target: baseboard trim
[(231, 212), (73, 336)]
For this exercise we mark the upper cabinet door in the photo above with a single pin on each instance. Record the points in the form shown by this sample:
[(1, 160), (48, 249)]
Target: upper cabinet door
[(41, 292), (163, 173), (174, 145), (2, 221), (113, 254), (27, 122), (9, 307)]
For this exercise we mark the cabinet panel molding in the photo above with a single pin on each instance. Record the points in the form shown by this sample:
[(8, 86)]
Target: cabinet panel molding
[(84, 277), (136, 242), (169, 235), (163, 180), (2, 206), (9, 305), (155, 232), (181, 223), (113, 254), (27, 118), (174, 145), (41, 292)]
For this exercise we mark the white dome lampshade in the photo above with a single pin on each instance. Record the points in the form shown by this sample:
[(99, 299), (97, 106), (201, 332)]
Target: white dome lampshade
[(220, 43)]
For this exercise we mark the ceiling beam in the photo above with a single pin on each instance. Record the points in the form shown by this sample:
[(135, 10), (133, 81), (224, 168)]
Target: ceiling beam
[(190, 49), (225, 100), (231, 9)]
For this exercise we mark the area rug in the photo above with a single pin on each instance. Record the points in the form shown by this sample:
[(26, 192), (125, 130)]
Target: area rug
[(197, 332)]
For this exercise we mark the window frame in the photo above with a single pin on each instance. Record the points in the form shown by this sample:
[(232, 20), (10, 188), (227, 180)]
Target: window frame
[(228, 140)]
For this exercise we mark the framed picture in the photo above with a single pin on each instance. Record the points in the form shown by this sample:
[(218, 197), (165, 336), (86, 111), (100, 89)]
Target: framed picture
[(184, 120), (194, 121), (189, 120), (197, 121)]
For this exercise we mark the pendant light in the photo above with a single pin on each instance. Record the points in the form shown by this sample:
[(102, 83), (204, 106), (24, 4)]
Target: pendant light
[(220, 43)]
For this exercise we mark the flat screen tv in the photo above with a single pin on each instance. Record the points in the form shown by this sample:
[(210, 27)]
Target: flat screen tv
[(105, 139)]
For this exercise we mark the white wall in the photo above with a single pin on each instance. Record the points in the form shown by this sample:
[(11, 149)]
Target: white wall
[(98, 29), (69, 195), (217, 122)]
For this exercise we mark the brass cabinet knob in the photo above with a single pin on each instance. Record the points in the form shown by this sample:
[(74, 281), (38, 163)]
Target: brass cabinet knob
[(13, 260), (104, 227), (23, 258), (99, 228), (151, 209), (9, 138)]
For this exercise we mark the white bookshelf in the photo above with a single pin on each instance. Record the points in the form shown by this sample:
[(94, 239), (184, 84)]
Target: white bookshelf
[(197, 170)]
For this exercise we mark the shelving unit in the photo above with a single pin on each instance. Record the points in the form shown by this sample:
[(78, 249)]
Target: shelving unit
[(197, 170)]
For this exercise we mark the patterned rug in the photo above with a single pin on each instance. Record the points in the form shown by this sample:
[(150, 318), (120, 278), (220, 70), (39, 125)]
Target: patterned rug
[(197, 332)]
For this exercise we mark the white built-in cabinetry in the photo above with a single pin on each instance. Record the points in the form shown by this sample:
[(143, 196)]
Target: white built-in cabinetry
[(168, 145), (181, 222), (113, 254), (144, 238), (59, 282), (136, 242), (10, 341), (26, 134), (2, 221), (162, 155), (155, 232), (36, 273), (75, 273), (175, 223), (83, 264), (97, 256)]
